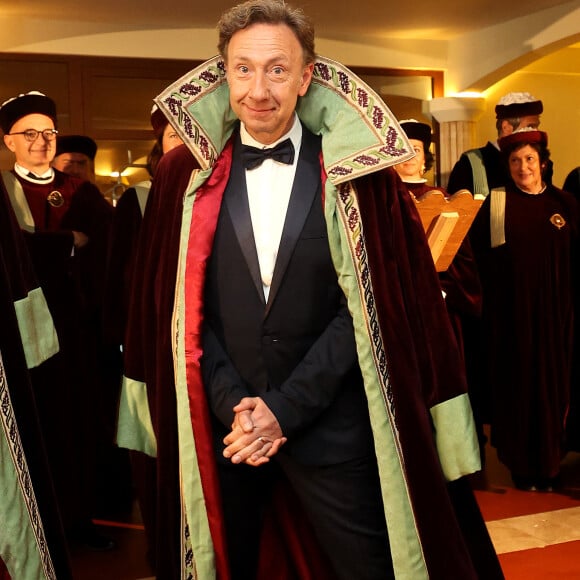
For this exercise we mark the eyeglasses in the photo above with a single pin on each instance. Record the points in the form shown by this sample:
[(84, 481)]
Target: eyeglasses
[(32, 134)]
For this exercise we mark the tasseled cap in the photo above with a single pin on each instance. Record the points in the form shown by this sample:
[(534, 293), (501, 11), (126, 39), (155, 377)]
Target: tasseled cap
[(25, 104), (76, 144), (416, 130), (158, 121), (523, 136), (514, 105)]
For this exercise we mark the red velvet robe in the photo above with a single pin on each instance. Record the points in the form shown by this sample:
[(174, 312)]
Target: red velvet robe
[(528, 316), (424, 364), (17, 280), (68, 386)]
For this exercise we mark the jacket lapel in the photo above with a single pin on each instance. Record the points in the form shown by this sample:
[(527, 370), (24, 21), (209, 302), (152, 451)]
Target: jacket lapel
[(236, 199), (306, 185)]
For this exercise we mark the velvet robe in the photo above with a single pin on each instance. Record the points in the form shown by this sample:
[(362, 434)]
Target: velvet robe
[(528, 320), (31, 540), (71, 387), (408, 355)]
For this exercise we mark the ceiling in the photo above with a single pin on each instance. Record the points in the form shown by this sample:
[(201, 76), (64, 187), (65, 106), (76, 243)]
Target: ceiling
[(371, 22), (333, 19)]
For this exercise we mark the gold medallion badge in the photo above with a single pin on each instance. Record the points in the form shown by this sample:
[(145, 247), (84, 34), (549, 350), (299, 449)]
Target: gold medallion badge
[(558, 221), (55, 199)]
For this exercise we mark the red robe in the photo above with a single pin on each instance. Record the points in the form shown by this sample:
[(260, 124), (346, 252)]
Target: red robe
[(66, 386), (19, 409), (528, 316), (416, 335)]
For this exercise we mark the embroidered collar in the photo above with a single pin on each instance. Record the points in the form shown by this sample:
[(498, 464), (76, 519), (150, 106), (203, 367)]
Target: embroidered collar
[(359, 133)]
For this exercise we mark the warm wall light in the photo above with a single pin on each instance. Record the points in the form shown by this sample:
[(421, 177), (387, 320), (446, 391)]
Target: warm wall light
[(468, 95)]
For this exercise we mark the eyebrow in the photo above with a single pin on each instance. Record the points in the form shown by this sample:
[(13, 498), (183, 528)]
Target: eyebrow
[(278, 58)]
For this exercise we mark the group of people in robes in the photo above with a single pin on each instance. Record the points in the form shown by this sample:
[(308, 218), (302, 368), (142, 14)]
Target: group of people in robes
[(289, 360), (511, 292), (294, 394), (60, 226), (525, 244)]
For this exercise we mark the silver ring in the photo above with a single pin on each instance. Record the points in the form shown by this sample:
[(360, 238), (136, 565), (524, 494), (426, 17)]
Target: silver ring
[(261, 440)]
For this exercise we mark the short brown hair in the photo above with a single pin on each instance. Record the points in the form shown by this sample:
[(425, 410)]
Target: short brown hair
[(267, 12)]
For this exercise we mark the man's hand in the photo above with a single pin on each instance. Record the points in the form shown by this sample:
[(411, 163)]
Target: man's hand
[(256, 434), (80, 239)]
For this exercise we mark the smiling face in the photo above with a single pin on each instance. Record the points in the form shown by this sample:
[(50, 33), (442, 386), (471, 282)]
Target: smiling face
[(413, 169), (525, 169), (33, 155), (266, 74)]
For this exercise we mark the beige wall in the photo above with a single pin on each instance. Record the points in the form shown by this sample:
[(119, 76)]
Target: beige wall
[(559, 90)]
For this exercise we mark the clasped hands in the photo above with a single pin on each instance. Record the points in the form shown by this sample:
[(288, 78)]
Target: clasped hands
[(256, 434)]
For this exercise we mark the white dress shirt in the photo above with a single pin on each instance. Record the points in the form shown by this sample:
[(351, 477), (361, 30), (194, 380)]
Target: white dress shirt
[(269, 187), (46, 177)]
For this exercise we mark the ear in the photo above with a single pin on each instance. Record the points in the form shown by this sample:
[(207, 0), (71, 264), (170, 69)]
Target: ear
[(9, 142), (506, 128), (306, 79)]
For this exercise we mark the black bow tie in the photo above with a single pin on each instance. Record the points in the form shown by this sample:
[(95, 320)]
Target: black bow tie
[(38, 177), (253, 157)]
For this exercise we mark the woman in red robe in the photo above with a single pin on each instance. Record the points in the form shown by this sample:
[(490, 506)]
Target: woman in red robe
[(525, 239)]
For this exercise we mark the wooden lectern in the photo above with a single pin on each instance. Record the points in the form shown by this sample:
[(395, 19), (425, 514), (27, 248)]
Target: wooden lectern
[(446, 221)]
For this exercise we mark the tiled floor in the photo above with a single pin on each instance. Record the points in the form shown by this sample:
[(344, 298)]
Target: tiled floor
[(536, 535)]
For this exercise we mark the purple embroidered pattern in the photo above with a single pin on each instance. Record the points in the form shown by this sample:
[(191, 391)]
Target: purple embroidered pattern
[(204, 147), (366, 160), (10, 428), (389, 147), (209, 76), (353, 219), (190, 90), (174, 106), (378, 117), (350, 213), (344, 82), (362, 98), (187, 91), (187, 125), (323, 71), (340, 171)]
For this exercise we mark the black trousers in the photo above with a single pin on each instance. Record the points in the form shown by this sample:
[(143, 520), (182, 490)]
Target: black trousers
[(342, 502)]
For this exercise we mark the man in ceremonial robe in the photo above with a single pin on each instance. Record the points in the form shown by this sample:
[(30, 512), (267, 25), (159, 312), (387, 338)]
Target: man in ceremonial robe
[(75, 155), (285, 358), (65, 222), (32, 543)]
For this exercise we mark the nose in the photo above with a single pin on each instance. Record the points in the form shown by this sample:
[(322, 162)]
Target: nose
[(259, 86)]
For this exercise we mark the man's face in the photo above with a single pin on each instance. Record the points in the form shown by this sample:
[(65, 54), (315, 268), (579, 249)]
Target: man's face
[(33, 155), (531, 121), (266, 74), (75, 164)]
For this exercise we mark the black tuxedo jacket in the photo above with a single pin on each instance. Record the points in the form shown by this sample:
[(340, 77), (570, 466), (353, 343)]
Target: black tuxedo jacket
[(297, 351)]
